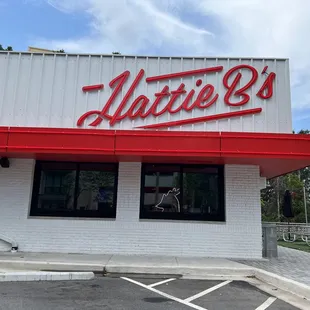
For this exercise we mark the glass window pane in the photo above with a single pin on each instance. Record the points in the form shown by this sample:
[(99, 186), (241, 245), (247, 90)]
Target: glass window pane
[(201, 169), (74, 189), (98, 167), (162, 189), (57, 166), (56, 190), (162, 168), (200, 193), (96, 191), (188, 192)]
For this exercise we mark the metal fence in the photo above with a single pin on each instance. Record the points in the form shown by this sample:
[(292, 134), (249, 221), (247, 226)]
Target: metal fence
[(291, 232)]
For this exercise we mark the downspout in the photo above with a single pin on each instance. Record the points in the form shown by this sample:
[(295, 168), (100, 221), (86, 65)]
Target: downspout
[(14, 245)]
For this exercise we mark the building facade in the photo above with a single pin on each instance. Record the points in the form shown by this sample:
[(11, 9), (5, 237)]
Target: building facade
[(141, 155)]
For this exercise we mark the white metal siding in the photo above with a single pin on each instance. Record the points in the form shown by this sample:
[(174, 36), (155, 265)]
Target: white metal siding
[(239, 237), (46, 90)]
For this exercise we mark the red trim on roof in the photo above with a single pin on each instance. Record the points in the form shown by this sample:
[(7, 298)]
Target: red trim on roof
[(276, 154), (4, 134), (167, 143), (266, 145), (60, 141)]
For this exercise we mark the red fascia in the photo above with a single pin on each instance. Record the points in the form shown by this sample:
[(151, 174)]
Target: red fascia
[(266, 145), (4, 135), (167, 143), (60, 141), (275, 153)]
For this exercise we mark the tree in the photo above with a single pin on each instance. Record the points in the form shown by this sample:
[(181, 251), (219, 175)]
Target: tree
[(9, 48), (272, 196), (304, 132), (100, 183)]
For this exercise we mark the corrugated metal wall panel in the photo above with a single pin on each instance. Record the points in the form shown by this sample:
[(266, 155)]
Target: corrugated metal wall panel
[(45, 90)]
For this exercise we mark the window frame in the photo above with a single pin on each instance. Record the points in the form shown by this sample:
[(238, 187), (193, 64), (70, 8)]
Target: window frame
[(75, 213), (221, 217)]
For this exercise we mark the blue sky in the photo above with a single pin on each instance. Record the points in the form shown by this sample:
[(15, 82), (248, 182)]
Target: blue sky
[(30, 21), (258, 28)]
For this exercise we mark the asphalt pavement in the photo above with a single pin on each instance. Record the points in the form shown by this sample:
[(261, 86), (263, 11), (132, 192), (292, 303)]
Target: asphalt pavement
[(137, 293)]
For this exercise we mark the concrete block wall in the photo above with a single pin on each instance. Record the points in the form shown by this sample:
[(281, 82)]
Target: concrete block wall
[(239, 237)]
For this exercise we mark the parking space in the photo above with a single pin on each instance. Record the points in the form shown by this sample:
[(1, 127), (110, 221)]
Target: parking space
[(243, 295), (208, 294), (137, 293), (185, 288)]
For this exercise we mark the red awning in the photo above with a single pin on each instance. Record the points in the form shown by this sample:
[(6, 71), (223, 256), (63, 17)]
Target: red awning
[(276, 154)]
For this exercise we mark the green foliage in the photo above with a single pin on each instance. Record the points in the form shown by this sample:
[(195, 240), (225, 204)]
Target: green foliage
[(89, 181), (297, 245), (272, 196), (304, 132), (9, 48)]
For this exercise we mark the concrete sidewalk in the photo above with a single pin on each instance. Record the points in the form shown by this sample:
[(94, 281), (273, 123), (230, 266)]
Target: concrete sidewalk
[(292, 264), (123, 264), (202, 268)]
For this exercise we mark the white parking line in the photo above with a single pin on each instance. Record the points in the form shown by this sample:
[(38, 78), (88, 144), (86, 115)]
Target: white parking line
[(207, 291), (267, 303), (181, 301), (161, 282)]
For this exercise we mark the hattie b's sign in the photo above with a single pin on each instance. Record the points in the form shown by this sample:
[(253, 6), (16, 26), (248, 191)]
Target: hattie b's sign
[(206, 97)]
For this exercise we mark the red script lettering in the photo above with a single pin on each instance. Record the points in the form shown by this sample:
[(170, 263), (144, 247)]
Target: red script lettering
[(205, 98)]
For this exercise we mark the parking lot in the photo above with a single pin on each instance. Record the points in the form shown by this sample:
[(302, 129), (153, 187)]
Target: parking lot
[(137, 293)]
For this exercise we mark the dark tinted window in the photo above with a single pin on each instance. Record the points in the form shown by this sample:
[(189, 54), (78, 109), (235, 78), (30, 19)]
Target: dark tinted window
[(161, 189), (74, 189), (182, 192)]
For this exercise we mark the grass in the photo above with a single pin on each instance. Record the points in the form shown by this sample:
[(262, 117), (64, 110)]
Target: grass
[(297, 245)]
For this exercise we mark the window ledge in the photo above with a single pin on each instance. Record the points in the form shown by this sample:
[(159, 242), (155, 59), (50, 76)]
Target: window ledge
[(39, 217), (183, 221)]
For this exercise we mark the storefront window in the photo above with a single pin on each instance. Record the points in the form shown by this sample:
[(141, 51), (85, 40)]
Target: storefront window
[(161, 189), (182, 192), (74, 189)]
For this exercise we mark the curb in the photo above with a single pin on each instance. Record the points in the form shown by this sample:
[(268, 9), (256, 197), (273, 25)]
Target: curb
[(46, 266), (80, 271), (184, 271), (282, 283), (45, 276)]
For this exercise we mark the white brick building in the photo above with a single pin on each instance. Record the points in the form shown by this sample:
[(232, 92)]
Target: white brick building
[(169, 161)]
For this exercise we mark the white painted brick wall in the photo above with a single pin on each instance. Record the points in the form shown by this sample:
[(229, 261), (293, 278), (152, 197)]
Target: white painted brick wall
[(239, 237)]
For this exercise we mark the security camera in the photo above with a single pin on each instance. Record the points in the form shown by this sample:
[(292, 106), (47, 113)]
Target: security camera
[(4, 162)]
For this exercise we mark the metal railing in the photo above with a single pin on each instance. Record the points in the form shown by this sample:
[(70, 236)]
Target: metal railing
[(291, 232)]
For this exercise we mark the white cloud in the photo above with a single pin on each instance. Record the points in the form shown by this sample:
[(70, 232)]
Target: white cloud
[(68, 6), (270, 28), (129, 26), (264, 28)]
